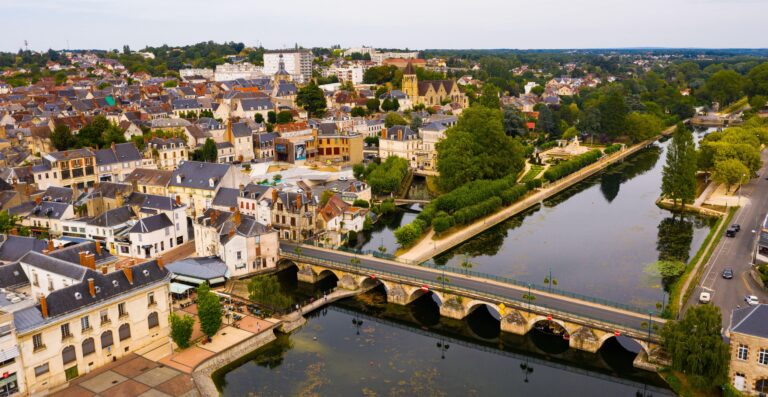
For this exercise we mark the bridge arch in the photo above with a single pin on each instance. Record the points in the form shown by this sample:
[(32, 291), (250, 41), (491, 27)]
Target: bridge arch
[(475, 304), (605, 338), (419, 292), (370, 282), (284, 263), (536, 319)]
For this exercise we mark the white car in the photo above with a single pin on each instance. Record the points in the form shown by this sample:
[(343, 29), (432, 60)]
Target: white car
[(704, 297), (751, 300)]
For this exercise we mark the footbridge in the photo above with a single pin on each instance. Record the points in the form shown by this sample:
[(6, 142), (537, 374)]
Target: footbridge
[(586, 322)]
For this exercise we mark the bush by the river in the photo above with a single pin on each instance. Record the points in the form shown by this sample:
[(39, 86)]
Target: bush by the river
[(570, 166)]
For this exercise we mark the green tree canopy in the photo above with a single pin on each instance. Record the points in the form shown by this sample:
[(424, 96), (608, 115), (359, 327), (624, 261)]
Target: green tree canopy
[(209, 152), (208, 310), (477, 148), (730, 172), (266, 290), (724, 87), (393, 119), (181, 329), (696, 346), (312, 99), (62, 138), (678, 180), (489, 97)]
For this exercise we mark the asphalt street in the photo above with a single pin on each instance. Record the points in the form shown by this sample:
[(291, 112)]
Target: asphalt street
[(737, 253)]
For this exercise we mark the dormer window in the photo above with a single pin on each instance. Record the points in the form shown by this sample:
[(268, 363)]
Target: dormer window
[(78, 296), (145, 272), (115, 283), (179, 178), (211, 182)]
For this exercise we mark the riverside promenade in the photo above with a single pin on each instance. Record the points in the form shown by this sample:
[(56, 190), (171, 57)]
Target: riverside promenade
[(429, 247)]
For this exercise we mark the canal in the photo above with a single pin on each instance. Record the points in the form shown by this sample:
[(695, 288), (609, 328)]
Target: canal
[(364, 346)]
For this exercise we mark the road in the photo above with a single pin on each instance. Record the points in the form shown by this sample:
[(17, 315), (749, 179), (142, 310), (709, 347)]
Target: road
[(513, 293), (737, 253)]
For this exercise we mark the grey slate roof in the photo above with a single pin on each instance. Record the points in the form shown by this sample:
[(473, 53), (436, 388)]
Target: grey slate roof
[(58, 194), (110, 189), (151, 224), (205, 268), (64, 301), (152, 201), (121, 152), (71, 253), (256, 104), (407, 133), (14, 247), (12, 275), (113, 217), (241, 130), (54, 265), (751, 320), (226, 197), (196, 175), (50, 209)]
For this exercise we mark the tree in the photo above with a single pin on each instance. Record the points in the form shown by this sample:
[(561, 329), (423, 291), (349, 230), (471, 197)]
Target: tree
[(613, 112), (209, 152), (387, 105), (640, 126), (724, 87), (730, 172), (393, 119), (271, 117), (358, 111), (477, 148), (325, 197), (181, 329), (489, 97), (312, 99), (285, 116), (208, 310), (546, 121), (758, 80), (7, 222), (358, 171), (696, 345), (514, 122), (678, 180), (62, 138), (258, 117), (416, 122), (266, 290), (373, 105)]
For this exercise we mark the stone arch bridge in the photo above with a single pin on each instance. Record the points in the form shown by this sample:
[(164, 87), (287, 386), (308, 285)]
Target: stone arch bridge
[(587, 325)]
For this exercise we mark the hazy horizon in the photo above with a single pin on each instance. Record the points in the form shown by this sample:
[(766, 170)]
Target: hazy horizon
[(484, 24)]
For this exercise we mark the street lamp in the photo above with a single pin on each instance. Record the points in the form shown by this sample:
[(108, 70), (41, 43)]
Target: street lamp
[(527, 370), (443, 346), (549, 280), (357, 324)]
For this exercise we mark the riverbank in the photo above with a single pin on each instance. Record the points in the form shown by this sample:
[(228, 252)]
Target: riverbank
[(429, 247)]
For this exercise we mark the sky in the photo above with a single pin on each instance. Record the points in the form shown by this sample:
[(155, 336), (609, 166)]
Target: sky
[(414, 24)]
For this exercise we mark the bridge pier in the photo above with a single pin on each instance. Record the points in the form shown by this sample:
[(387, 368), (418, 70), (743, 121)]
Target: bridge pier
[(586, 339), (306, 275), (453, 308), (514, 323)]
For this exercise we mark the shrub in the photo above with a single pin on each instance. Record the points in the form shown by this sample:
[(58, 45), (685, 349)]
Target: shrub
[(612, 149), (361, 203), (387, 207), (407, 235), (514, 193), (181, 329), (442, 223), (533, 184), (570, 166)]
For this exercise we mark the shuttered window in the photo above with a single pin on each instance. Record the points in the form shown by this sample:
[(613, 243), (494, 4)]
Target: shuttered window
[(106, 339), (68, 355), (124, 332), (89, 347), (152, 320)]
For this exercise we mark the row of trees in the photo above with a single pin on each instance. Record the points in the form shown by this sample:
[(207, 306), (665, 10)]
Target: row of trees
[(209, 312)]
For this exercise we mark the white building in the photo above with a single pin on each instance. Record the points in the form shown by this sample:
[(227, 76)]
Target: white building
[(202, 72), (298, 63), (401, 141), (353, 73), (234, 71)]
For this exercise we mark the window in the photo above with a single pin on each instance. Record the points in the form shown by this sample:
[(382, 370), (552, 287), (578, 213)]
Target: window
[(68, 355), (743, 352), (124, 332), (762, 357), (65, 331), (239, 255), (37, 342), (104, 315), (89, 347), (41, 369), (106, 339), (152, 320), (151, 299), (121, 312), (84, 323)]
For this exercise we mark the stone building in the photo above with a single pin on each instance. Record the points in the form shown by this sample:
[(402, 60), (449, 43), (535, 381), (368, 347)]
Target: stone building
[(748, 370)]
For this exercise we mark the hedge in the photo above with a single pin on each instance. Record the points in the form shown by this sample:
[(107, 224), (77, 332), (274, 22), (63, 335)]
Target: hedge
[(469, 214), (570, 166), (612, 149)]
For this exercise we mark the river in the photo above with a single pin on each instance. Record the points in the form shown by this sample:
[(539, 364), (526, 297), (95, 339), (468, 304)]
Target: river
[(364, 346)]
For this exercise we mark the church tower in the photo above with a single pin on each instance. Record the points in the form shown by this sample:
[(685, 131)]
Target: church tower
[(410, 83)]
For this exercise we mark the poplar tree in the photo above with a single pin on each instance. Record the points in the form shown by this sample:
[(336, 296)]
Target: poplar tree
[(678, 180)]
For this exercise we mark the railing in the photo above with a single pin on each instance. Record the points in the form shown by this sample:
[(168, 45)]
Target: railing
[(520, 303), (505, 280)]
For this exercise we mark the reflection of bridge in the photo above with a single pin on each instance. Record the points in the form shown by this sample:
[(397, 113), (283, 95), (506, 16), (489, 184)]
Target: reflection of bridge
[(410, 201), (588, 322), (505, 353)]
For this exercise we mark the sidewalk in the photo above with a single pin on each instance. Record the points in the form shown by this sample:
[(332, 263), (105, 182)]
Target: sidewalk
[(721, 198)]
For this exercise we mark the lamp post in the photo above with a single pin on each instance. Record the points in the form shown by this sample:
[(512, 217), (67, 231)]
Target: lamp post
[(527, 370), (549, 280), (650, 324), (357, 324), (443, 347)]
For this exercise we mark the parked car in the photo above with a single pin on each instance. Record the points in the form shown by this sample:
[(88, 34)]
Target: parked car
[(728, 273), (751, 300), (736, 226), (704, 297), (731, 232)]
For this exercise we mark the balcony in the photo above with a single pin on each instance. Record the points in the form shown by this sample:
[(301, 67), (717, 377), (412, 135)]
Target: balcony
[(38, 348)]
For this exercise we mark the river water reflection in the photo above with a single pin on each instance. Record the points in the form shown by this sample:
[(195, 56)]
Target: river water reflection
[(363, 346)]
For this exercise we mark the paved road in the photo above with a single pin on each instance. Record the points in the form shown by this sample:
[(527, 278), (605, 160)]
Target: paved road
[(737, 253), (618, 317)]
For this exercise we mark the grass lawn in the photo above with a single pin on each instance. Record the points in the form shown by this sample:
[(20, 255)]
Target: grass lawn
[(532, 173)]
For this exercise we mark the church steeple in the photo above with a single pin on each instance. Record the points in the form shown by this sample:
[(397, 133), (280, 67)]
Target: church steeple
[(282, 74), (410, 83)]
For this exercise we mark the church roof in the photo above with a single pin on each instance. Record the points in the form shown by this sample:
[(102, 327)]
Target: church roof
[(409, 69)]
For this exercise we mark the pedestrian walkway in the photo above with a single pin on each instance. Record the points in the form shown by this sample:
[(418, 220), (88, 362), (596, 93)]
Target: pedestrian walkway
[(133, 376)]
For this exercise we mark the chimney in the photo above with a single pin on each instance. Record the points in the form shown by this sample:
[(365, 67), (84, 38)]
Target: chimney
[(400, 135), (160, 263), (383, 133), (178, 199), (309, 195), (231, 232), (91, 288), (128, 271), (44, 306), (98, 248), (230, 138), (237, 218), (274, 196), (91, 258), (82, 258), (38, 200), (50, 245), (104, 270), (298, 201)]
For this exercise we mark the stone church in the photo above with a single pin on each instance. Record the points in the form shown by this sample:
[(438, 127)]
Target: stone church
[(431, 92)]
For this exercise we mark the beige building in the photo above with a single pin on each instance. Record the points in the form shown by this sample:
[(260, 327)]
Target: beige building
[(168, 152), (196, 184), (70, 319), (150, 181), (401, 141), (294, 214), (431, 93), (76, 167), (748, 370)]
